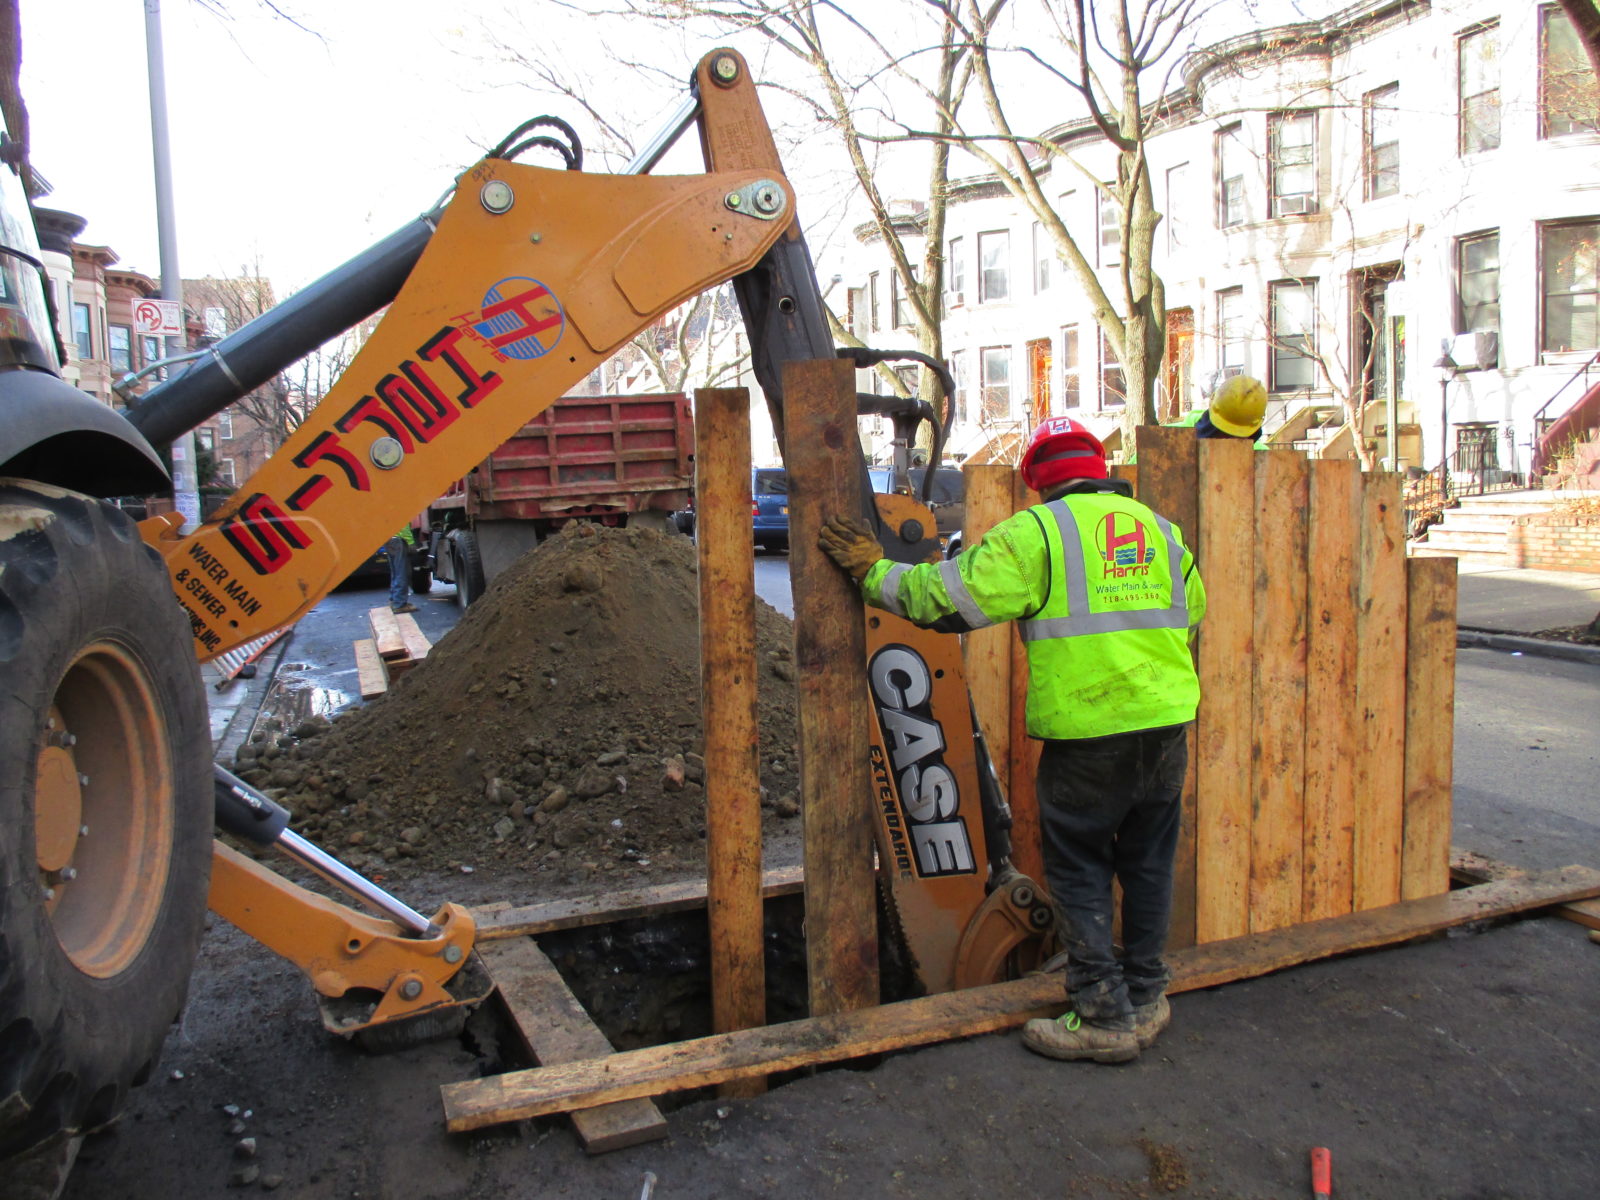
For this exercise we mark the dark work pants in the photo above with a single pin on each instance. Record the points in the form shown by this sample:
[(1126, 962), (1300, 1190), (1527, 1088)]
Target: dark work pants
[(1110, 808)]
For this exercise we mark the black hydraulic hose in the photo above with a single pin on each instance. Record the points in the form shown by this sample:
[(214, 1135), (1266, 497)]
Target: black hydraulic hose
[(864, 358), (253, 354)]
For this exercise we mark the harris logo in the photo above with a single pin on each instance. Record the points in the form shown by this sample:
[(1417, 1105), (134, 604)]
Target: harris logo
[(1125, 545), (520, 318)]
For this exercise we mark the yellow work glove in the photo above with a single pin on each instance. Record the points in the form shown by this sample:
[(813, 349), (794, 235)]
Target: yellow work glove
[(850, 544)]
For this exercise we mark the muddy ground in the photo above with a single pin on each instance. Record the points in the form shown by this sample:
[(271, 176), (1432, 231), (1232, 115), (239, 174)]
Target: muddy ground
[(1461, 1069)]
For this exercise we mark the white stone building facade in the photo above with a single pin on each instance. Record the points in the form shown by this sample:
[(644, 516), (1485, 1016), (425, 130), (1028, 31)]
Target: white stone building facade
[(1342, 199)]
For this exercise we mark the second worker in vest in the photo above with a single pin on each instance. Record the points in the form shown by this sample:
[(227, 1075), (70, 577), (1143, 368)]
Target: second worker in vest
[(1106, 595)]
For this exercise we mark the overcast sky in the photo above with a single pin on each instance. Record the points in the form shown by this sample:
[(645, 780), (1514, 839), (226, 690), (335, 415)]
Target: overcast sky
[(296, 148)]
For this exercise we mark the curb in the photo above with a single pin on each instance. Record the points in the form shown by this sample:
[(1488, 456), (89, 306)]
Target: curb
[(1490, 639)]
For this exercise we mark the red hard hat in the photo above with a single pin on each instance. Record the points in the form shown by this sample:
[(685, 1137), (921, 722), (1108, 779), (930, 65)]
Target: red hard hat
[(1062, 449)]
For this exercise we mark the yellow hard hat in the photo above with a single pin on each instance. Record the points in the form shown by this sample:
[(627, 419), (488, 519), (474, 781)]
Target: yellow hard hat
[(1239, 406)]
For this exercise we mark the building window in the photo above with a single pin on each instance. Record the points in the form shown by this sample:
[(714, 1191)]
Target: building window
[(856, 311), (957, 268), (1569, 96), (120, 339), (961, 373), (1294, 343), (1382, 141), (225, 472), (994, 368), (1177, 207), (1110, 227), (1231, 159), (1478, 88), (1292, 163), (205, 439), (1478, 283), (225, 426), (1071, 390), (994, 267), (1043, 253), (1232, 341), (149, 350), (1570, 258), (872, 302), (900, 303), (1113, 387), (82, 338)]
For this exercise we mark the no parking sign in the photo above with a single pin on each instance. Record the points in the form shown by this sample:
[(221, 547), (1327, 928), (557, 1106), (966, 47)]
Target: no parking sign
[(158, 318)]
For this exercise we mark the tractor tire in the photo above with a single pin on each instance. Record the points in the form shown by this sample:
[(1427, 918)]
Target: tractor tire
[(105, 814), (466, 564)]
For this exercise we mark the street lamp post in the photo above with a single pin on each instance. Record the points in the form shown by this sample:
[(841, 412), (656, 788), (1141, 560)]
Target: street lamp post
[(1446, 366)]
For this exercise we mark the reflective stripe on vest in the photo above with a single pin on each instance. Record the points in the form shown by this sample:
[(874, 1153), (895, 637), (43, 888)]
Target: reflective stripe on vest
[(889, 588), (1079, 620)]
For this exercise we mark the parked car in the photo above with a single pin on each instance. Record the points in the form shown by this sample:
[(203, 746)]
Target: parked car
[(769, 507), (948, 500)]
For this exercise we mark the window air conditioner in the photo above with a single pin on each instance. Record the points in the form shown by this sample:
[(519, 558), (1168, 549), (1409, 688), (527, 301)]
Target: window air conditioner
[(1296, 205), (957, 299), (1475, 351)]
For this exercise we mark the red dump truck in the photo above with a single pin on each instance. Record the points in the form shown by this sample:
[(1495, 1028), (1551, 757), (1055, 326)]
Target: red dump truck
[(612, 459)]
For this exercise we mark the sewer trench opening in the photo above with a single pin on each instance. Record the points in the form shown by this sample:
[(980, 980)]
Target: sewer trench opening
[(647, 982)]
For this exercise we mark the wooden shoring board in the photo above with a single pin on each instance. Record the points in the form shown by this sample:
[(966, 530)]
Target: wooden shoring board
[(1334, 533), (811, 1042), (1468, 867), (987, 652), (1430, 725), (495, 922), (1380, 694), (1169, 458), (386, 635), (1226, 650), (1027, 848), (1277, 828), (554, 1028), (371, 678), (834, 716), (728, 672)]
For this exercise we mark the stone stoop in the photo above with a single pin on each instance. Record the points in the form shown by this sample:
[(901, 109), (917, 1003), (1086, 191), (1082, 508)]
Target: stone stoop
[(1475, 531)]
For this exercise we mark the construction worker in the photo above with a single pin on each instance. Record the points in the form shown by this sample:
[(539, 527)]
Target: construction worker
[(399, 550), (1107, 595), (1236, 410)]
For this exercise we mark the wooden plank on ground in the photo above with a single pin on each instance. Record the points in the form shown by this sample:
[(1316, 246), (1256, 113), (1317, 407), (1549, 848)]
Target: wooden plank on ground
[(728, 708), (1169, 484), (1226, 650), (386, 632), (1468, 867), (371, 678), (711, 1060), (507, 921), (1380, 694), (1430, 725), (1277, 828), (416, 642), (554, 1028), (830, 658), (990, 500), (1334, 532)]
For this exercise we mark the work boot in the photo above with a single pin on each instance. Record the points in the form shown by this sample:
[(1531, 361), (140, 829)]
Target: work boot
[(1070, 1039), (1149, 1020), (405, 608)]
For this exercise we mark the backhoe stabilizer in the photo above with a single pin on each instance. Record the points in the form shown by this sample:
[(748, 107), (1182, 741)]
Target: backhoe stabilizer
[(366, 970)]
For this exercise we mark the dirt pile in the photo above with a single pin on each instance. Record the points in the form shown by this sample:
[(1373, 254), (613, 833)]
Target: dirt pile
[(555, 729)]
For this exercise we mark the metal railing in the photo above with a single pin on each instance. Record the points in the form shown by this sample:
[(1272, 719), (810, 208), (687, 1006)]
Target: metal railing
[(1472, 470), (1543, 424)]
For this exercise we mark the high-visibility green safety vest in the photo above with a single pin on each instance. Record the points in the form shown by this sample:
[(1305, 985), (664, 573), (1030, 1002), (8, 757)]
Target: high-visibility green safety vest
[(1106, 594)]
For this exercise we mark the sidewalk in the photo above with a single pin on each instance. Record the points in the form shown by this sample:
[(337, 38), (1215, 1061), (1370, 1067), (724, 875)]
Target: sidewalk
[(1498, 606)]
